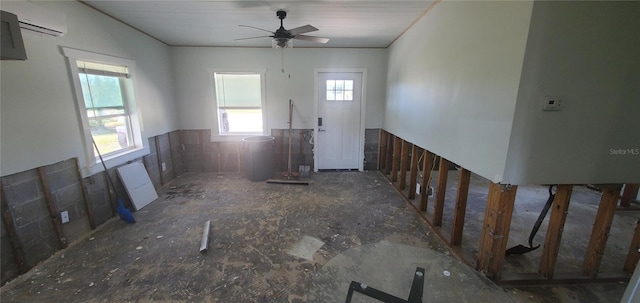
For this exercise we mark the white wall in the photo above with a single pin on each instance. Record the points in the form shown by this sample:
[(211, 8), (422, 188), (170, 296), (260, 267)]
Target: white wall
[(453, 79), (587, 53), (195, 99), (39, 121)]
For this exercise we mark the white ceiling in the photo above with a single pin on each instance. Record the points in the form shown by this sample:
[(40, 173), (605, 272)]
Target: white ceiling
[(348, 23)]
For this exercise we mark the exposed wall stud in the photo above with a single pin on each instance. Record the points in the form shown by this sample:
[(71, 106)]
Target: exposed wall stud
[(559, 210), (629, 194), (426, 175), (438, 207), (413, 174), (600, 231), (395, 166), (404, 159), (389, 154), (495, 230), (156, 140), (634, 251), (460, 208)]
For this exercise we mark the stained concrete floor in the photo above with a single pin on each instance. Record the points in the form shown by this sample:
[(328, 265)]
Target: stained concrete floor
[(269, 243)]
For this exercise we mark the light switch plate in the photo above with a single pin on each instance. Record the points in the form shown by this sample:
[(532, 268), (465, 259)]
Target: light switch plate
[(64, 217)]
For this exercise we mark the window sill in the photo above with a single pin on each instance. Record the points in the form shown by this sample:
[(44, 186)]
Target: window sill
[(115, 160), (233, 137)]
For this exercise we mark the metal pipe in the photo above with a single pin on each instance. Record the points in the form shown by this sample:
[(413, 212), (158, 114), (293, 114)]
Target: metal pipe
[(204, 244)]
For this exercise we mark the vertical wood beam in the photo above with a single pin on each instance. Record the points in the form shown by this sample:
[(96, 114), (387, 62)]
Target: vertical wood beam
[(85, 196), (14, 241), (426, 175), (438, 207), (559, 210), (413, 174), (600, 231), (460, 208), (629, 194), (53, 210), (395, 166), (634, 251), (404, 159), (173, 164), (381, 148), (159, 158), (495, 229), (389, 154)]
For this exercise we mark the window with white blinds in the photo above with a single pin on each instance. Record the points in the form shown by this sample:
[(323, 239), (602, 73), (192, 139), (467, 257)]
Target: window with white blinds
[(239, 99)]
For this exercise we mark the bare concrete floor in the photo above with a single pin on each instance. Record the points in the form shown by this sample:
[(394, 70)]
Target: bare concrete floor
[(264, 246)]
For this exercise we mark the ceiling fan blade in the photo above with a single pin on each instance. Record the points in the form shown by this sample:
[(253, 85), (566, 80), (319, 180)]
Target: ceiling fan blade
[(260, 29), (311, 38), (251, 38), (302, 29)]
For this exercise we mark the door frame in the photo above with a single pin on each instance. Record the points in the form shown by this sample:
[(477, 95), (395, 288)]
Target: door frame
[(363, 111)]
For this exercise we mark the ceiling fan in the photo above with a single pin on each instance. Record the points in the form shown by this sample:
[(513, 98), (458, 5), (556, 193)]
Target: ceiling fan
[(282, 36)]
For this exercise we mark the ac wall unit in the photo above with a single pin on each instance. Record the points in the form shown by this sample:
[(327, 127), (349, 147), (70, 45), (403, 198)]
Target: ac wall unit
[(37, 18)]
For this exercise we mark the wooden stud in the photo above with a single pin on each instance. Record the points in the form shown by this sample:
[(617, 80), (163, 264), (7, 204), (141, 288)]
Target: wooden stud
[(600, 231), (426, 175), (382, 148), (389, 154), (495, 230), (14, 241), (53, 210), (85, 196), (461, 207), (438, 207), (413, 174), (629, 194), (559, 210), (404, 159), (395, 166), (634, 251), (159, 158), (173, 164)]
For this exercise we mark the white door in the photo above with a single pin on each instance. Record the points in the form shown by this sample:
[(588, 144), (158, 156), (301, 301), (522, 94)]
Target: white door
[(338, 139)]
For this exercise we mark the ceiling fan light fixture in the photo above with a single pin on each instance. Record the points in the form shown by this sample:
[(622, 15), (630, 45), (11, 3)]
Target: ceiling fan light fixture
[(282, 43)]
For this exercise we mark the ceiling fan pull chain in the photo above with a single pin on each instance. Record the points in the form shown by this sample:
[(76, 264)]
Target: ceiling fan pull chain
[(282, 59)]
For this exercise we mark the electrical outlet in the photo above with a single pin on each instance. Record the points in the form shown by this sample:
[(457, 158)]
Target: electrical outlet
[(164, 166), (430, 191), (552, 104), (64, 217)]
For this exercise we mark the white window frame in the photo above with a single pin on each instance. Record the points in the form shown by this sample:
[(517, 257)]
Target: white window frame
[(216, 135), (140, 146)]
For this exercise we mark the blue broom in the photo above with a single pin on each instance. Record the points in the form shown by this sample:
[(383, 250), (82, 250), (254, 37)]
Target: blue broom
[(125, 214)]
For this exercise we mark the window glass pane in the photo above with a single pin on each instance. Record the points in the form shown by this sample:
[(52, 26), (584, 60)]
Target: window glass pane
[(240, 120), (102, 94), (238, 90), (340, 95), (110, 134), (331, 95), (339, 85), (348, 84), (331, 85), (348, 95)]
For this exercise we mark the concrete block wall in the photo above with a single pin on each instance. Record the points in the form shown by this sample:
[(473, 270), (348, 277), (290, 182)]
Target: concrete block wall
[(86, 199), (371, 147)]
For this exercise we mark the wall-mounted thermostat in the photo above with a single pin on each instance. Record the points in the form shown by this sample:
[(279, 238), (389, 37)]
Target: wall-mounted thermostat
[(552, 104)]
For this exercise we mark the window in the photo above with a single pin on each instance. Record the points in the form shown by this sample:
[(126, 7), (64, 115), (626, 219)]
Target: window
[(106, 107), (339, 90), (240, 102)]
